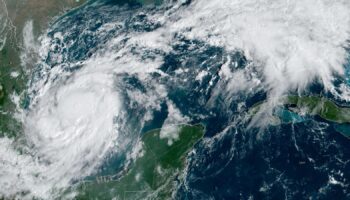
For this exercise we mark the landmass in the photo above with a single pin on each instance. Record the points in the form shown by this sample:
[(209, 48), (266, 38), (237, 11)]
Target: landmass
[(16, 37), (315, 105), (21, 24), (154, 174), (295, 108)]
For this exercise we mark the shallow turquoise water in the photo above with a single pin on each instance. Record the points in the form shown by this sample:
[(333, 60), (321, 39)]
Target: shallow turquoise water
[(288, 117), (343, 129)]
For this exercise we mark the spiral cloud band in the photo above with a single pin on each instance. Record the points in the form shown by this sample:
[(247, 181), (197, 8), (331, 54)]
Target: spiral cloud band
[(71, 126)]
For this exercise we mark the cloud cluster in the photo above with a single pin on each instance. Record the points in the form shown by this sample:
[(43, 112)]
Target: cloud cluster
[(293, 43)]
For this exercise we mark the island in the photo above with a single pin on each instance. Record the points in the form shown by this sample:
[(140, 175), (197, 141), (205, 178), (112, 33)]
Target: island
[(154, 174), (297, 108), (315, 105)]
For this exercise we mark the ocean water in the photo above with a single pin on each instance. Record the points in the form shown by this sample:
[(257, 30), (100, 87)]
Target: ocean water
[(110, 71)]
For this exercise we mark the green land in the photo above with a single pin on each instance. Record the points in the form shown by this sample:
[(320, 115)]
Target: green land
[(323, 107), (312, 106), (14, 14), (154, 174)]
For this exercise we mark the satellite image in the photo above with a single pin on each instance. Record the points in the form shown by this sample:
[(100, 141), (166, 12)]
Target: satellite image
[(174, 99)]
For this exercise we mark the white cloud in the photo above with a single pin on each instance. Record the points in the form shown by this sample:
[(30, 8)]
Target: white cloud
[(292, 42), (70, 128), (171, 127)]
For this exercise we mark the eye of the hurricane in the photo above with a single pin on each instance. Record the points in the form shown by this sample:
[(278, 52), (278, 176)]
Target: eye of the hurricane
[(72, 126), (78, 105), (166, 99)]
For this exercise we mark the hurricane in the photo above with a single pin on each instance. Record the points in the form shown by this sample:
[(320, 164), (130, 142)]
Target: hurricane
[(109, 71)]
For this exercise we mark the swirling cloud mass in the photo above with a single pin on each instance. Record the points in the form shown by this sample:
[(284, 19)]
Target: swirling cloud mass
[(70, 125)]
